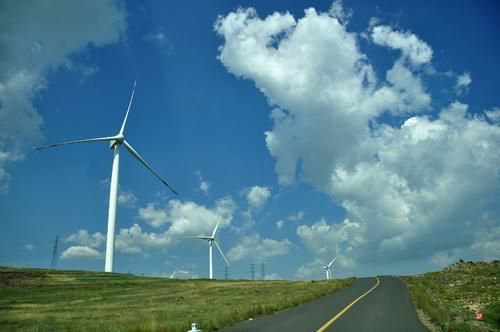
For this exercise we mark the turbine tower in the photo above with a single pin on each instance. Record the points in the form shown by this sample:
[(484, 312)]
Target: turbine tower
[(326, 267), (114, 143), (211, 241)]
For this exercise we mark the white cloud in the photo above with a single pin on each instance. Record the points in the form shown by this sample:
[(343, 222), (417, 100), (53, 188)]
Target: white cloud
[(180, 219), (279, 224), (296, 217), (326, 239), (34, 43), (127, 198), (493, 114), (254, 247), (189, 218), (29, 246), (402, 186), (152, 215), (311, 270), (204, 186), (81, 252), (134, 241), (83, 238), (413, 48), (338, 11), (257, 197), (185, 274), (160, 38), (463, 82), (272, 276)]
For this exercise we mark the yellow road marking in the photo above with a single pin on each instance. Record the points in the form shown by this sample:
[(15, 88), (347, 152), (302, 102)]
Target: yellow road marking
[(337, 316)]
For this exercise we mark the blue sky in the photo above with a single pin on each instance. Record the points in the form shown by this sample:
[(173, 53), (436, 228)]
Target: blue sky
[(370, 131)]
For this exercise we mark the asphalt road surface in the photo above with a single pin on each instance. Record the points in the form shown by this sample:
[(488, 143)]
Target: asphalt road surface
[(385, 306)]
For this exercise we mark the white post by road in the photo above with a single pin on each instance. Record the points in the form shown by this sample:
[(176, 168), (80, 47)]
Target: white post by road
[(113, 198)]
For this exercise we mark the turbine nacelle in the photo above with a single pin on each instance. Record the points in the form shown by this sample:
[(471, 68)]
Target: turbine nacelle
[(117, 140)]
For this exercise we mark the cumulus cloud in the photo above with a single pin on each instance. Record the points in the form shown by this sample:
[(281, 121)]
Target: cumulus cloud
[(37, 38), (29, 246), (171, 223), (296, 217), (326, 239), (257, 197), (279, 224), (257, 248), (180, 219), (134, 240), (81, 252), (273, 276), (463, 82), (339, 12), (83, 238), (127, 198), (311, 270), (189, 218), (413, 48), (403, 184), (493, 114), (204, 186)]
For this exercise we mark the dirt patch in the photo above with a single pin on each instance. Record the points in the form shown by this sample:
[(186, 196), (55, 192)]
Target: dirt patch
[(17, 279)]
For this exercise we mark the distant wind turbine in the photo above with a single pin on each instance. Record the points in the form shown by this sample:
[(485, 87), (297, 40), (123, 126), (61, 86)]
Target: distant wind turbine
[(211, 240), (326, 267), (173, 274), (114, 143)]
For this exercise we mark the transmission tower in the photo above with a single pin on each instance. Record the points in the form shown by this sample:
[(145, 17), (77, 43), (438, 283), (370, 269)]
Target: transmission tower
[(252, 271), (53, 263)]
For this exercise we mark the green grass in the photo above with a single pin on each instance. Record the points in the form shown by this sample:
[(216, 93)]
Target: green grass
[(45, 300), (451, 297)]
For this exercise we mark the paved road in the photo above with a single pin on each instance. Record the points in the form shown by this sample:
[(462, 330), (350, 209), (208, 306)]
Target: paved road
[(386, 308)]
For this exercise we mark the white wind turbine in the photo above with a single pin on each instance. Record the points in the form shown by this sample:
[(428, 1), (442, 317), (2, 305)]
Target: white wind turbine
[(115, 142), (173, 274), (211, 241), (327, 267)]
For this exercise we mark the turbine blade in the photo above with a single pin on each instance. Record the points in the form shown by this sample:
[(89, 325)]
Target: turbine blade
[(198, 237), (142, 161), (217, 245), (333, 260), (321, 262), (122, 129), (110, 138), (173, 274), (216, 226)]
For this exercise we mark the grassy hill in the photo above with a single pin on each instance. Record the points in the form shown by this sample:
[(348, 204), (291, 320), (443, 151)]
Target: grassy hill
[(451, 298), (45, 300)]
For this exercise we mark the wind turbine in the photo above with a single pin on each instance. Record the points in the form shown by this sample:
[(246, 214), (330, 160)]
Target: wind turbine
[(211, 241), (114, 143), (173, 274), (326, 267)]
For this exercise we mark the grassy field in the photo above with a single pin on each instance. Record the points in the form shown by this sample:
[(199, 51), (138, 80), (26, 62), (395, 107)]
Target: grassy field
[(45, 300), (452, 297)]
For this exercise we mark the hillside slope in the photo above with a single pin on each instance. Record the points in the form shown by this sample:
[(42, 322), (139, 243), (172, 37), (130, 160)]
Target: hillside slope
[(45, 300), (451, 298)]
